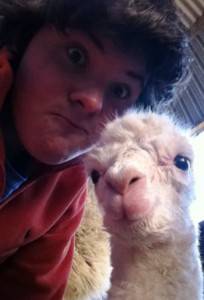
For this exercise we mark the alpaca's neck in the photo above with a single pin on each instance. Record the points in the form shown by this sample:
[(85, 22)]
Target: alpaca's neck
[(138, 269), (156, 259), (123, 258)]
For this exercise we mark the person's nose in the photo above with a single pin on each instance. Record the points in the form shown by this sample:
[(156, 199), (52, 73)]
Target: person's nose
[(91, 101)]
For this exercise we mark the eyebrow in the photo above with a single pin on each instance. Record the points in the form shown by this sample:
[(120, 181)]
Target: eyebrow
[(93, 39), (96, 41), (136, 76)]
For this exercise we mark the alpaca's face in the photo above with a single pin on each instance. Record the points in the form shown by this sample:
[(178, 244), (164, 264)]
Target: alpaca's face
[(142, 168)]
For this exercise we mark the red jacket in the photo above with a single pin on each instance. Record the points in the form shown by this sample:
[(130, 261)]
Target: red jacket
[(37, 226)]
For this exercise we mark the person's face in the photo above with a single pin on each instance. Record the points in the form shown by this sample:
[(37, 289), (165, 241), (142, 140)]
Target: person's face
[(66, 87)]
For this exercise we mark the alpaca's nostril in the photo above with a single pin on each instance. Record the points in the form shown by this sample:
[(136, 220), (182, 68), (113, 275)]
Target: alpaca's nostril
[(134, 179), (95, 176), (123, 180)]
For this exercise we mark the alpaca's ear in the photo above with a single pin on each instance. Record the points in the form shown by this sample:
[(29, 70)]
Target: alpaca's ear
[(198, 129)]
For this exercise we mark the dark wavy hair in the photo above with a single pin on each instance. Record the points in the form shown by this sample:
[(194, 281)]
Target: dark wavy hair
[(150, 26)]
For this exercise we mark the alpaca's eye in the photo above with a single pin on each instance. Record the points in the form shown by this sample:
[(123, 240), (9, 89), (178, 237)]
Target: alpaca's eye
[(95, 175), (182, 162)]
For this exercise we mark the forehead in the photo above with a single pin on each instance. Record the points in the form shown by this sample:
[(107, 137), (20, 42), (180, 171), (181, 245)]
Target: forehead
[(117, 56), (98, 45), (111, 47)]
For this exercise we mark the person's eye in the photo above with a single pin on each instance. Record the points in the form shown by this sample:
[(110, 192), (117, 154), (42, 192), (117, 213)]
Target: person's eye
[(77, 56), (182, 163), (120, 91)]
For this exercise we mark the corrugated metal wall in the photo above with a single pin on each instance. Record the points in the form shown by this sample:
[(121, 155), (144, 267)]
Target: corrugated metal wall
[(189, 105), (191, 10)]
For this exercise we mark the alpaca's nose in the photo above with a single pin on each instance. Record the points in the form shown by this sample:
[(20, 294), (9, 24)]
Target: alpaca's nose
[(122, 180)]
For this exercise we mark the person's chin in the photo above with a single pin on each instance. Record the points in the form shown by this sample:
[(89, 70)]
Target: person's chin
[(57, 156), (57, 150)]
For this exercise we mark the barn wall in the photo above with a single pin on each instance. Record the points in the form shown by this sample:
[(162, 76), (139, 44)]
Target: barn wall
[(189, 104)]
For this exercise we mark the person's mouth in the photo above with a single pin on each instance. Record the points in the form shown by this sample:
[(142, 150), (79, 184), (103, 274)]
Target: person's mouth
[(71, 123)]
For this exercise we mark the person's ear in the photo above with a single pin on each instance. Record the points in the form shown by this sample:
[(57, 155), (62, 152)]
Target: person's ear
[(6, 74)]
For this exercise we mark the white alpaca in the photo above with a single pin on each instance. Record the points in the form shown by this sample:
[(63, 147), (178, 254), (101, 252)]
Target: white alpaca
[(142, 169)]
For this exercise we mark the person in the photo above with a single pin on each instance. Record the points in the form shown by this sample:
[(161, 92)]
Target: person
[(66, 67)]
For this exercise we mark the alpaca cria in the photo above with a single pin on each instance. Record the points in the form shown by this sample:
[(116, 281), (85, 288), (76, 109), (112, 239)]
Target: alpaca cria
[(142, 168)]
